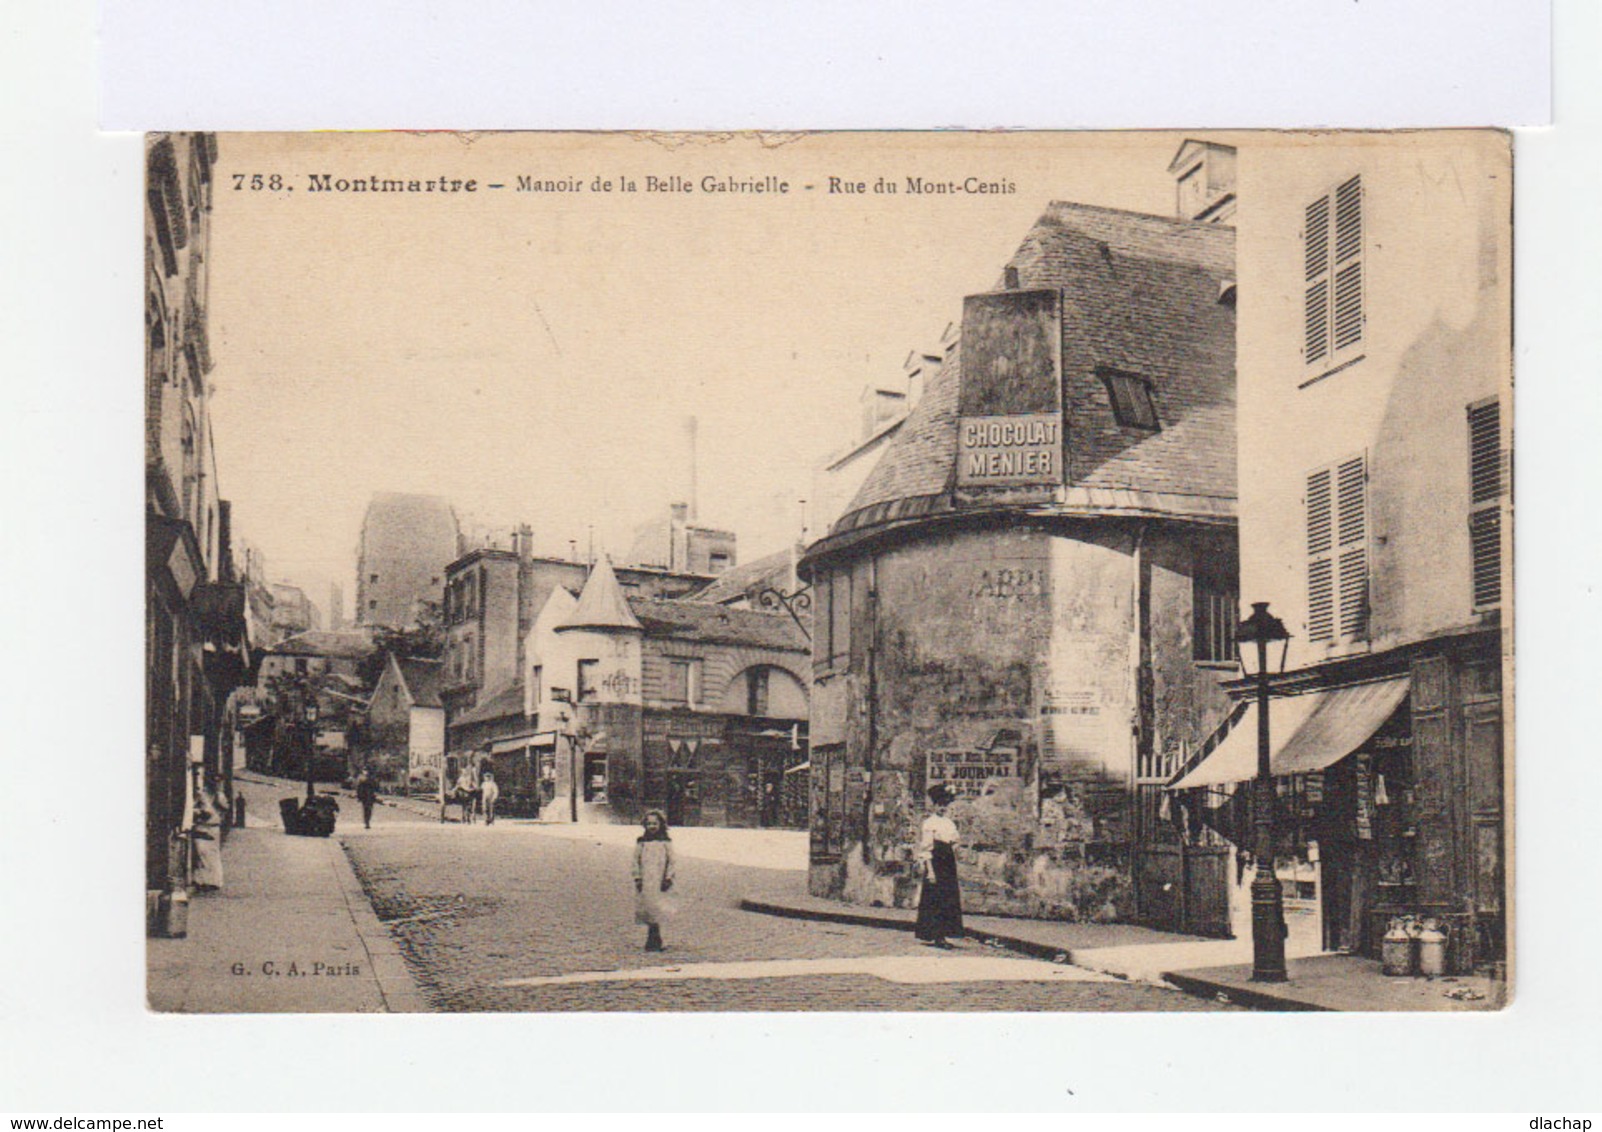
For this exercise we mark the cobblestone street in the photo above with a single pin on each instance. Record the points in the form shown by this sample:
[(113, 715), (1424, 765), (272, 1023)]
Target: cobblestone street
[(476, 908)]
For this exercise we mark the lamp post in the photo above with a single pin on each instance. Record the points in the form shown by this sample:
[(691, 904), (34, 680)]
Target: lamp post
[(563, 696), (311, 743), (1252, 640)]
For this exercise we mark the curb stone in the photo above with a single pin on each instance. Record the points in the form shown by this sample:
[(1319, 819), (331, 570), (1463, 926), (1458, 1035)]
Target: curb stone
[(396, 986)]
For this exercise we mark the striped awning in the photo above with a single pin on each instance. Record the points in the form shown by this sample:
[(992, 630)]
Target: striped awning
[(1306, 733)]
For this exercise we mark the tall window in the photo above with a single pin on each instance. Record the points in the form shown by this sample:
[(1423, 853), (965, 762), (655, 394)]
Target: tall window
[(756, 691), (1337, 551), (682, 683), (534, 680), (1333, 265), (840, 618), (1215, 610), (1487, 490), (586, 680)]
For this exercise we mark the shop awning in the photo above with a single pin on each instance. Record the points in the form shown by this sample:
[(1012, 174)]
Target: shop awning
[(1306, 733), (539, 740)]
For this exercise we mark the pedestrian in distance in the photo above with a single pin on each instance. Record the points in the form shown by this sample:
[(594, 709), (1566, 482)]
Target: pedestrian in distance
[(488, 794), (940, 904), (467, 792), (367, 795), (653, 878)]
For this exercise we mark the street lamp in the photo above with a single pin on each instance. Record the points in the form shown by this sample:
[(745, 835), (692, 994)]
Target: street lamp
[(563, 696), (311, 743), (1252, 640)]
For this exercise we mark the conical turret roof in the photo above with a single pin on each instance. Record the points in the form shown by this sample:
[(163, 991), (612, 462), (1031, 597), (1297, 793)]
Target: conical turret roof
[(602, 604)]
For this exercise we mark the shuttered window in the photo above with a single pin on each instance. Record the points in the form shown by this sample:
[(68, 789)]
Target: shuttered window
[(1487, 493), (1333, 272), (1337, 551)]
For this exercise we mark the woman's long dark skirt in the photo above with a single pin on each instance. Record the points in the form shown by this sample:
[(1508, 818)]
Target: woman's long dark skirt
[(940, 906)]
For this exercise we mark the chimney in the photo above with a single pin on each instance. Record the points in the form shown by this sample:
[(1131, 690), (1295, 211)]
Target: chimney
[(692, 429), (1010, 277), (523, 542), (679, 516)]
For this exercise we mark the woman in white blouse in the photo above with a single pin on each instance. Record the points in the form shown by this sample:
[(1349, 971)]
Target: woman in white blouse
[(940, 905)]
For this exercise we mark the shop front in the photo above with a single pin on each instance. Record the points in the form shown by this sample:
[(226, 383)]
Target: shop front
[(1345, 825), (525, 773)]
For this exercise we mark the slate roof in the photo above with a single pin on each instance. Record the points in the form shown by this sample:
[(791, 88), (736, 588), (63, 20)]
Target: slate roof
[(1140, 294), (602, 604), (695, 620), (345, 644), (506, 701), (735, 582), (422, 679)]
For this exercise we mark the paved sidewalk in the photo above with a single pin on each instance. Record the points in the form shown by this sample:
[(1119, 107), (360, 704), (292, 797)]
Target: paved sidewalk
[(1045, 939), (1218, 969), (1342, 982), (290, 932)]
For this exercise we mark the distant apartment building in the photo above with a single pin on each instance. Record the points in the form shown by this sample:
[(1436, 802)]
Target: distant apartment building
[(884, 405), (406, 543), (292, 612), (677, 544), (636, 702), (491, 598)]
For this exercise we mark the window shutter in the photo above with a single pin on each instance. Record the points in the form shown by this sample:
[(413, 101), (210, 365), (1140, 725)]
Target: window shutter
[(1348, 220), (1333, 267), (1320, 565), (1485, 543), (1485, 452), (1316, 260), (1352, 523), (1337, 551), (1486, 490), (1348, 305)]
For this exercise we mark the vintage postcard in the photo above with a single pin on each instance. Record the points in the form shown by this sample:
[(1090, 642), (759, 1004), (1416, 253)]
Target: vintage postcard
[(843, 571)]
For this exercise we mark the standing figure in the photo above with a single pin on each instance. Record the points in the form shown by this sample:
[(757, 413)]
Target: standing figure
[(488, 795), (367, 795), (467, 792), (940, 905), (653, 877), (207, 831)]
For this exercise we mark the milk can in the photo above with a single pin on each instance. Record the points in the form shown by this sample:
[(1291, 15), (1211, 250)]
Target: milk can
[(178, 913), (1396, 947), (1431, 948)]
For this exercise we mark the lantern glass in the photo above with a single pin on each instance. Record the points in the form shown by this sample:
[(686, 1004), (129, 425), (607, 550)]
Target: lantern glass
[(1257, 641)]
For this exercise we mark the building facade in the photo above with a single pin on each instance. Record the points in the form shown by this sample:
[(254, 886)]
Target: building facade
[(197, 647), (318, 668), (491, 600), (403, 742), (1031, 596), (690, 707), (678, 544), (1376, 503), (406, 542)]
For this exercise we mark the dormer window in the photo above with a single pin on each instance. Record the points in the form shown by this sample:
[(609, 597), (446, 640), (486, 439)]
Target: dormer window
[(1132, 404)]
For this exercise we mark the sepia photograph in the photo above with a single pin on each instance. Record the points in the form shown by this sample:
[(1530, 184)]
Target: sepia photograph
[(843, 571)]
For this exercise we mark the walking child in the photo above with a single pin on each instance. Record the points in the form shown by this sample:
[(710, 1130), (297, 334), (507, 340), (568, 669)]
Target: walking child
[(653, 877)]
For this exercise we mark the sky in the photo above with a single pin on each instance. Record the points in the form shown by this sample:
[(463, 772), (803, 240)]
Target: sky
[(534, 356)]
